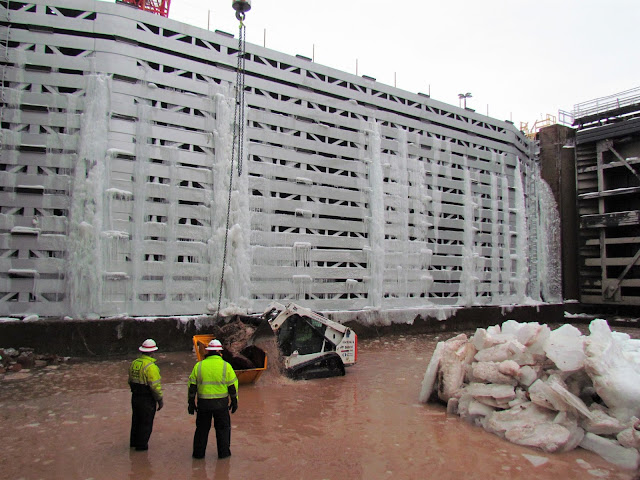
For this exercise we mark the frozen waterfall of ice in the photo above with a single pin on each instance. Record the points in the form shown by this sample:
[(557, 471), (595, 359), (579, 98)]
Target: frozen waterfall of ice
[(522, 273), (85, 263), (376, 252), (237, 281), (549, 265)]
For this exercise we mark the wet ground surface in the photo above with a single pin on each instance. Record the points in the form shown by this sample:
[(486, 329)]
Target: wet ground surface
[(72, 422)]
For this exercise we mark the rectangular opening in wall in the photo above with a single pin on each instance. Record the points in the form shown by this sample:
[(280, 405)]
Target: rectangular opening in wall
[(23, 273), (30, 189)]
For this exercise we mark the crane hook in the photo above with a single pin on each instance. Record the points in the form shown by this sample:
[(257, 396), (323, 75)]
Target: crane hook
[(241, 7)]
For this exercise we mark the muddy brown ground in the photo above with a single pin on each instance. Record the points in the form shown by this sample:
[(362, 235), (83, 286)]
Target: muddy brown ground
[(72, 422)]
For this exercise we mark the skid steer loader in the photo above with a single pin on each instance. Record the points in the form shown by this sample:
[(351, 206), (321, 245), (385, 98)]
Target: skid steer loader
[(311, 345)]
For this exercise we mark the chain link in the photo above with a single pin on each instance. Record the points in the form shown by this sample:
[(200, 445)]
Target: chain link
[(238, 137)]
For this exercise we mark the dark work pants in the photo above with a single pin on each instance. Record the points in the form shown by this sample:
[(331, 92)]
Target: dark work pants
[(143, 412), (222, 425)]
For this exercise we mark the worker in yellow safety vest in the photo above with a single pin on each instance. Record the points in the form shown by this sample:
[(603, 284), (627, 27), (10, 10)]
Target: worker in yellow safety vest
[(214, 382), (146, 392)]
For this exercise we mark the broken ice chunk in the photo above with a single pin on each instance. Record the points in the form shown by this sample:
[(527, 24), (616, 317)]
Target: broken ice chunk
[(511, 327), (479, 409), (533, 336), (630, 437), (509, 367), (488, 338), (457, 353), (489, 372), (615, 375), (527, 375), (550, 437), (612, 451), (494, 395), (602, 424), (570, 422), (501, 352), (542, 395), (521, 416), (573, 402), (553, 394), (430, 374), (452, 406), (565, 346)]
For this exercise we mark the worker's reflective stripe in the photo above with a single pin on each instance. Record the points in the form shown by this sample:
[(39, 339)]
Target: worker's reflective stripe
[(207, 396)]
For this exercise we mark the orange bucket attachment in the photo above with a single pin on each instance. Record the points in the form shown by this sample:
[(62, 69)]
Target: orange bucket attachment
[(200, 343), (246, 376)]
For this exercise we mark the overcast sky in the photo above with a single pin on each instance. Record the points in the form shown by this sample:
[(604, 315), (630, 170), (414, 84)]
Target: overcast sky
[(519, 59)]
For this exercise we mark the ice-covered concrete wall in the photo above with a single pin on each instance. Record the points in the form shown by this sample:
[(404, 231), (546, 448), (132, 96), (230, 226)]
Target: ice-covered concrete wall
[(117, 138)]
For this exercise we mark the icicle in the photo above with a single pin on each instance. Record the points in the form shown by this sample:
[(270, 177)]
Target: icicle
[(302, 254), (303, 285)]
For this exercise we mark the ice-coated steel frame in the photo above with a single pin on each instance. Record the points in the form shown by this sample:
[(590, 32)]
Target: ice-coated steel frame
[(116, 148)]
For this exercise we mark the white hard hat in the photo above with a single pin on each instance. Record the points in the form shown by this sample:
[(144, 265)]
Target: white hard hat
[(149, 345), (214, 345)]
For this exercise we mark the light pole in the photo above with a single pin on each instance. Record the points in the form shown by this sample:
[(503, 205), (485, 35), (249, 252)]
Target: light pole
[(463, 97)]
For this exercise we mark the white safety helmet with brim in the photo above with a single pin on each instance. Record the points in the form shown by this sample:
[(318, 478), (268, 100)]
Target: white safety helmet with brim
[(148, 346), (214, 345)]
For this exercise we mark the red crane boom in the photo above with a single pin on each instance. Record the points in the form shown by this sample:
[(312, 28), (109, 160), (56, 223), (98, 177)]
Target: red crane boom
[(159, 7)]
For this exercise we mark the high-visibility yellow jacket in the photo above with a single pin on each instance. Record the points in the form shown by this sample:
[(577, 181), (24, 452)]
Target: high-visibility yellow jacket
[(144, 371), (213, 377)]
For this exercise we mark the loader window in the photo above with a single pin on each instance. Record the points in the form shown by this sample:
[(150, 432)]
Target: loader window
[(285, 337), (307, 339), (298, 334)]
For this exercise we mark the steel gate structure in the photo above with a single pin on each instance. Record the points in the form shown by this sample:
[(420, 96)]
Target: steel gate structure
[(117, 131), (608, 183)]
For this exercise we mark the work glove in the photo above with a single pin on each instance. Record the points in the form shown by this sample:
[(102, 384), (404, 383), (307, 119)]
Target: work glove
[(192, 408), (234, 405), (160, 404)]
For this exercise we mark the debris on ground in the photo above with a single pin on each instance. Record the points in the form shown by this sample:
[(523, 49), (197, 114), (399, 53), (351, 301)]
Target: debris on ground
[(14, 360), (553, 390)]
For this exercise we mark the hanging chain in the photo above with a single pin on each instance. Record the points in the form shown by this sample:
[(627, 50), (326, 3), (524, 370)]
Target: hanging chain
[(238, 137), (240, 105)]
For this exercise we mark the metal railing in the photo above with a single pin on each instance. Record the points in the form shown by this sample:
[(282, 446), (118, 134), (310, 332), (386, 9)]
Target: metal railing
[(607, 104), (565, 118), (537, 125)]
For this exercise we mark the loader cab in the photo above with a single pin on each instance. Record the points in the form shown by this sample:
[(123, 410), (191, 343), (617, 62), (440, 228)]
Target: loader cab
[(304, 335)]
